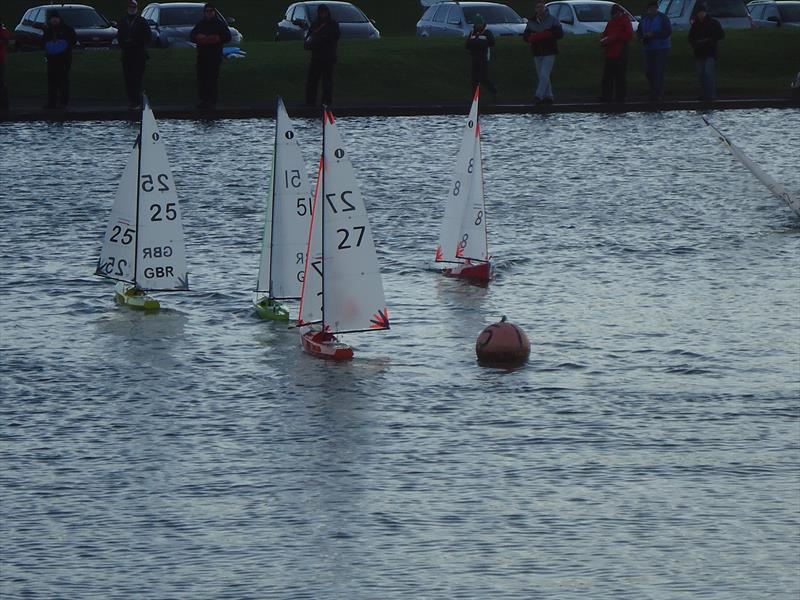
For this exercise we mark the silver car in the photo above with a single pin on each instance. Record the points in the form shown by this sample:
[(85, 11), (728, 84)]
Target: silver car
[(731, 14), (585, 16), (455, 19), (768, 13), (172, 22)]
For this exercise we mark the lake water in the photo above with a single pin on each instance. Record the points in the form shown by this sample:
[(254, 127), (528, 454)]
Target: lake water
[(650, 448)]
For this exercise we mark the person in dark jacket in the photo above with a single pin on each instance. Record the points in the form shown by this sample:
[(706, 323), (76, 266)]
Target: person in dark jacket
[(133, 35), (5, 39), (479, 41), (704, 34), (322, 38), (654, 32), (57, 41), (541, 33), (210, 34), (615, 38)]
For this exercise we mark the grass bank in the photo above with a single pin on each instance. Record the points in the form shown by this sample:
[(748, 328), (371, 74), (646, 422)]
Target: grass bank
[(757, 64)]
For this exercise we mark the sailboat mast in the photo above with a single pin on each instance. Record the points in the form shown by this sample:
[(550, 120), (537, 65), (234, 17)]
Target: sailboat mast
[(322, 222), (272, 203), (138, 183)]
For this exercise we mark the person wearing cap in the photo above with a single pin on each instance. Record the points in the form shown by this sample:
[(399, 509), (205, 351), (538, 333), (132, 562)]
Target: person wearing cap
[(615, 38), (479, 40), (704, 34), (654, 32), (57, 40), (322, 39), (133, 35), (210, 34), (541, 33), (5, 39)]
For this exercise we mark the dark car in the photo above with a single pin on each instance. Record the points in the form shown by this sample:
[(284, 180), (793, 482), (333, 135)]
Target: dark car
[(172, 22), (92, 28), (353, 24)]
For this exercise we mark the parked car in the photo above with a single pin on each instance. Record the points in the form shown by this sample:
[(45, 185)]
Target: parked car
[(768, 13), (92, 28), (353, 24), (585, 16), (172, 22), (731, 14), (455, 19)]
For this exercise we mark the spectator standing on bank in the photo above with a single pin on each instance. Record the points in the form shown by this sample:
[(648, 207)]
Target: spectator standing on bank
[(541, 33), (5, 39), (704, 34), (615, 38), (133, 35), (322, 39), (654, 32), (479, 42), (57, 40), (210, 34)]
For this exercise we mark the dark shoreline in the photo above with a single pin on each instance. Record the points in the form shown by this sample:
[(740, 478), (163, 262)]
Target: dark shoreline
[(90, 113)]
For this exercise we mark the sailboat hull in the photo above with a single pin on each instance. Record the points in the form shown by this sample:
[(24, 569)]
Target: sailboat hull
[(472, 271), (325, 345), (128, 295), (269, 309)]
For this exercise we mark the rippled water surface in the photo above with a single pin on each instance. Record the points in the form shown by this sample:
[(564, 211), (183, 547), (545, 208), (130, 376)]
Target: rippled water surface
[(649, 448)]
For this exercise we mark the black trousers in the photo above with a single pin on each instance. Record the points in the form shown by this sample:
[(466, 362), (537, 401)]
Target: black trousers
[(614, 83), (3, 88), (57, 82), (207, 77), (133, 73), (320, 69), (480, 75)]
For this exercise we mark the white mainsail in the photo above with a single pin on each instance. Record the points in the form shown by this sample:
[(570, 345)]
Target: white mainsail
[(119, 243), (311, 289), (460, 198), (353, 297), (144, 244), (283, 247), (772, 185), (472, 239)]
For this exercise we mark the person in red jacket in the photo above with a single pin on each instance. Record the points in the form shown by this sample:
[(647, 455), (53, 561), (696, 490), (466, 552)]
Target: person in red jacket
[(5, 39), (615, 38)]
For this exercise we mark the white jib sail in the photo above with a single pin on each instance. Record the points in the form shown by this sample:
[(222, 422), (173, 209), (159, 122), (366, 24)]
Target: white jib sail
[(459, 191), (472, 242), (353, 291), (119, 244), (772, 185), (311, 289), (285, 238), (161, 254)]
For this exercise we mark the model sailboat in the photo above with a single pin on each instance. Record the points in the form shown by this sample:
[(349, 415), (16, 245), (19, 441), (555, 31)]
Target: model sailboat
[(772, 185), (342, 290), (463, 239), (288, 217), (143, 248)]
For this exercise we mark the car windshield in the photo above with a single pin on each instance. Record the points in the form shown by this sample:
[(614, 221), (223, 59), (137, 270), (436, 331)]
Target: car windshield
[(82, 18), (790, 13), (341, 13), (492, 14), (181, 15), (593, 13), (726, 8)]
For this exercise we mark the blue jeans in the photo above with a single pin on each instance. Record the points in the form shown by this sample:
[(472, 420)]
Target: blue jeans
[(705, 73), (655, 63), (544, 66)]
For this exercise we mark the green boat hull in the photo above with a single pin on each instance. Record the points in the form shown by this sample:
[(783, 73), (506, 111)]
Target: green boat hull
[(268, 309), (136, 299)]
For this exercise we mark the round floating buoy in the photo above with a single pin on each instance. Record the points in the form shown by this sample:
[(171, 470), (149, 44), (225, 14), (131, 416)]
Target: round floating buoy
[(502, 344)]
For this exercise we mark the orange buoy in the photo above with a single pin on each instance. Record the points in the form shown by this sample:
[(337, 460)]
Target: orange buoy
[(502, 344)]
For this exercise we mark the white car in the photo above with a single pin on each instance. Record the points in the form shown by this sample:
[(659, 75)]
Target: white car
[(768, 13), (585, 16)]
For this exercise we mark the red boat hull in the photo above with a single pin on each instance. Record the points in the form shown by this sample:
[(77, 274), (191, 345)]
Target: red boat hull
[(473, 271), (325, 345)]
